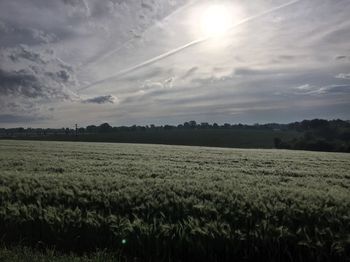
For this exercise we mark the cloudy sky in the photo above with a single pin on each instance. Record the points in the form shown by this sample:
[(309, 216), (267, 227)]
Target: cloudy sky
[(165, 62)]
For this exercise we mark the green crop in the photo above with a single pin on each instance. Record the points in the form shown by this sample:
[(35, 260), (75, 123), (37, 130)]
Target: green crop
[(176, 203)]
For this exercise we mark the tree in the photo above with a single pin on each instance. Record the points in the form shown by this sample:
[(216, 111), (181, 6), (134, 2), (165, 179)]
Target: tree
[(308, 135), (277, 142), (91, 128), (105, 127), (193, 124)]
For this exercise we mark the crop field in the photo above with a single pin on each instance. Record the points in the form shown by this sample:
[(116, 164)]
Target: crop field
[(175, 203)]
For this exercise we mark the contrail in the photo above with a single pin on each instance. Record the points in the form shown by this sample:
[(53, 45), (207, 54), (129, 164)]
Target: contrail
[(116, 50), (183, 47)]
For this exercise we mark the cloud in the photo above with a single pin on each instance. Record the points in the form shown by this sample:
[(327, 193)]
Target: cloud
[(108, 99), (31, 78), (334, 89), (10, 118), (151, 85), (341, 57), (287, 57), (343, 76), (292, 58), (150, 73), (304, 87), (14, 34), (24, 83), (77, 7), (308, 89), (147, 6), (43, 36), (168, 83), (189, 72), (149, 91), (245, 71)]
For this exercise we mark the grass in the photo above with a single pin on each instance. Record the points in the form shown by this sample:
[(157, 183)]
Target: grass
[(19, 254), (168, 203)]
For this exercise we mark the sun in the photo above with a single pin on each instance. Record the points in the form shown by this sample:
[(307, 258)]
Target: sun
[(215, 20)]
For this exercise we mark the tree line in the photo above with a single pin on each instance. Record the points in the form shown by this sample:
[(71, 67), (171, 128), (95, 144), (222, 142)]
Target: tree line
[(316, 134)]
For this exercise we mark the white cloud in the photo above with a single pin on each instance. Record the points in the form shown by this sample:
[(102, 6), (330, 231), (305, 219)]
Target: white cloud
[(343, 76), (305, 87)]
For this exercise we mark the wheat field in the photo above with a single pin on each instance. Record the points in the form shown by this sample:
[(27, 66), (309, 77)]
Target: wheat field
[(175, 203)]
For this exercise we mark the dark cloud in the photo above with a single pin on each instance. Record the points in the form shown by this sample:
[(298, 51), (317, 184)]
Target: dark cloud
[(25, 83), (101, 100), (20, 82), (23, 52), (28, 73), (9, 118), (30, 79), (341, 57), (11, 34)]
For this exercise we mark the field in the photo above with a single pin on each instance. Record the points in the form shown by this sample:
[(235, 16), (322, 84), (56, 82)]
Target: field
[(172, 203)]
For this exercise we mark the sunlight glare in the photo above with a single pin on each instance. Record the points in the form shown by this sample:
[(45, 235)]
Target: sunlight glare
[(215, 20)]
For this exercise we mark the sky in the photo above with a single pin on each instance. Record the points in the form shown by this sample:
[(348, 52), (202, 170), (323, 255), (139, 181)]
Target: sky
[(141, 62)]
